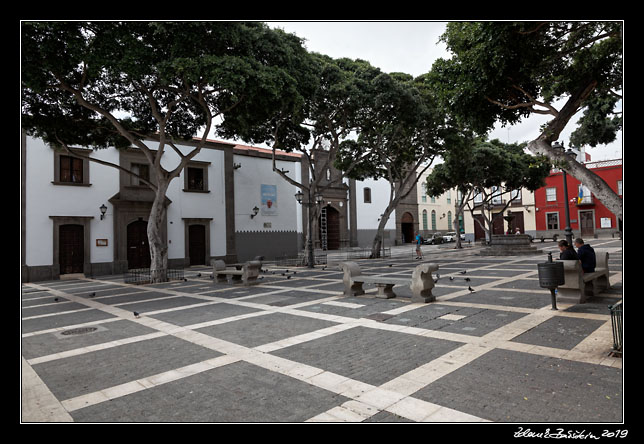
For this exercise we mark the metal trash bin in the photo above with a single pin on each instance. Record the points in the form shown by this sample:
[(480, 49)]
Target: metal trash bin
[(551, 275)]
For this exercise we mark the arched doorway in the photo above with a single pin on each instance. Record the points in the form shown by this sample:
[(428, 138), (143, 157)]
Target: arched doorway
[(138, 248), (329, 224), (407, 227)]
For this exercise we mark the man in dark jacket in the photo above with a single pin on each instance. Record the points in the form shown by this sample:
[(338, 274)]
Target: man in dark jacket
[(586, 255), (567, 252)]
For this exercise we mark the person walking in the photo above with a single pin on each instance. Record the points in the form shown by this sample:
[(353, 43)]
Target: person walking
[(419, 241)]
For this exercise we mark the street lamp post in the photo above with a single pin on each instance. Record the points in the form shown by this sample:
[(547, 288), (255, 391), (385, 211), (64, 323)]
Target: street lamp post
[(309, 204), (569, 153)]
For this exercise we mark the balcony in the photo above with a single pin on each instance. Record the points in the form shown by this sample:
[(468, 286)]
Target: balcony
[(586, 200)]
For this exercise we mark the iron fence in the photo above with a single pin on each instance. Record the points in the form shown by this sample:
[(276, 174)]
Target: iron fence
[(138, 276), (616, 317)]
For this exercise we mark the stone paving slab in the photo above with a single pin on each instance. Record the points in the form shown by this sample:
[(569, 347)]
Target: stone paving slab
[(89, 372), (297, 350), (233, 393), (368, 355), (510, 386)]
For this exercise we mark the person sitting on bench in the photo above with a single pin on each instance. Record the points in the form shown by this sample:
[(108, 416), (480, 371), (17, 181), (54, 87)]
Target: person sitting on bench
[(586, 255), (567, 252)]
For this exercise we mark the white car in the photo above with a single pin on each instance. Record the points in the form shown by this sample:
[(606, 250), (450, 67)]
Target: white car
[(451, 237)]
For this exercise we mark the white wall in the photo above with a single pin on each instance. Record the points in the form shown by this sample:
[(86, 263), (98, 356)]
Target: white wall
[(44, 199), (254, 172), (369, 213)]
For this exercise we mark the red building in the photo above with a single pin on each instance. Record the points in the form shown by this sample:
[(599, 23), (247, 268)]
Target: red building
[(588, 216)]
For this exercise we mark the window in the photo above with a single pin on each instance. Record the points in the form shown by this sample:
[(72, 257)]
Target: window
[(424, 219), (195, 179), (619, 187), (423, 198), (142, 171), (367, 195), (71, 169), (551, 194), (433, 199), (434, 220), (552, 221), (449, 220), (449, 196)]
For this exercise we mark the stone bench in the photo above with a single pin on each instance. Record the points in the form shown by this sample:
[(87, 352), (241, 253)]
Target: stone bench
[(579, 285), (421, 282), (246, 273)]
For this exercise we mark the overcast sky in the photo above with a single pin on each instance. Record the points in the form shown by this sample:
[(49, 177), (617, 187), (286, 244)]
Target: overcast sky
[(411, 47)]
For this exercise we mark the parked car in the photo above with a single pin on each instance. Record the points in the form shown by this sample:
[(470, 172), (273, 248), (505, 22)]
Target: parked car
[(451, 236), (436, 238)]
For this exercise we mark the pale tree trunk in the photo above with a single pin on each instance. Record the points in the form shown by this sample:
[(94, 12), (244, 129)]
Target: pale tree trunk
[(595, 184), (158, 247), (376, 246)]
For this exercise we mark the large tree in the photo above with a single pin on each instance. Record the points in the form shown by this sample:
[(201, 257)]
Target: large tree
[(332, 114), (505, 71), (486, 172), (126, 84), (401, 131)]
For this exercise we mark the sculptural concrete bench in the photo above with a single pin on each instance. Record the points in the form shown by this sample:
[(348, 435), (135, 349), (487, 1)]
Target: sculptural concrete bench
[(246, 273), (579, 285), (421, 282)]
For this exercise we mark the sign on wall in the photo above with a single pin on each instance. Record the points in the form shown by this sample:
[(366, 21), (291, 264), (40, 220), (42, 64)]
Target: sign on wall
[(269, 200)]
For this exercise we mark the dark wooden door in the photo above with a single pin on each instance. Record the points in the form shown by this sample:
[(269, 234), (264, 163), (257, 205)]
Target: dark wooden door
[(197, 244), (407, 228), (333, 228), (71, 249), (497, 223), (138, 248), (517, 222), (479, 232), (586, 224)]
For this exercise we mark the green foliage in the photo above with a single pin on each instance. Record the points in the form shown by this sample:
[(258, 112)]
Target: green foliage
[(483, 164), (500, 70), (398, 125), (184, 72)]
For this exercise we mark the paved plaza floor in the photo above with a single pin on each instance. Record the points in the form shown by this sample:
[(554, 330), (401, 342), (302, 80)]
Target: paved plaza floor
[(294, 349)]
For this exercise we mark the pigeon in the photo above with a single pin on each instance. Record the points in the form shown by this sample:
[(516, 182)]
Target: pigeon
[(55, 299), (438, 276), (451, 278), (288, 277), (324, 268), (198, 275), (391, 265), (185, 279), (467, 279), (436, 281), (92, 295), (136, 314), (463, 272), (471, 289)]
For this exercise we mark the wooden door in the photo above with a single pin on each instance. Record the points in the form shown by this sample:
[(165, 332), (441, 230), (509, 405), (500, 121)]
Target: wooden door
[(479, 232), (332, 228), (197, 244), (138, 248), (71, 248), (407, 228), (498, 223), (586, 223), (517, 222)]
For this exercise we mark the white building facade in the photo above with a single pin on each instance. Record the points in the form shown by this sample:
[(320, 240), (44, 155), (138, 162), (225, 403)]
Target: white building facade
[(210, 209)]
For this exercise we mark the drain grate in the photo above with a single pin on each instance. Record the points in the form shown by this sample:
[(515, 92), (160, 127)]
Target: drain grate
[(79, 331)]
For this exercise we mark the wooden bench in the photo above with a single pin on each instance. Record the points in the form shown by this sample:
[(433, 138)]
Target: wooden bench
[(246, 273), (421, 282), (579, 285)]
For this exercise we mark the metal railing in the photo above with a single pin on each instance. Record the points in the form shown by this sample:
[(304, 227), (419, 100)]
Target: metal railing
[(138, 276), (616, 317)]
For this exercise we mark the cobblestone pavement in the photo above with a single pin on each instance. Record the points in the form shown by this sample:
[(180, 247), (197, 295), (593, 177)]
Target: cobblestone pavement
[(294, 349)]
